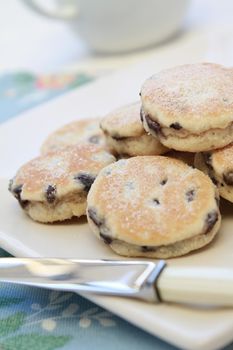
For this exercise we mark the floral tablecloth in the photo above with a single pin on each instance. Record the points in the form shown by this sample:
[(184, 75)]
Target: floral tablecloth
[(39, 319)]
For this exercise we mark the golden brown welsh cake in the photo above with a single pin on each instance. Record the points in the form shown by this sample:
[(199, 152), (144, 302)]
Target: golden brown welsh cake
[(190, 107), (218, 164), (125, 134), (153, 206), (54, 186), (77, 132)]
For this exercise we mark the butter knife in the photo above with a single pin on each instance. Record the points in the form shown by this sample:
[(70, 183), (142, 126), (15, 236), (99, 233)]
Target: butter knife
[(145, 280)]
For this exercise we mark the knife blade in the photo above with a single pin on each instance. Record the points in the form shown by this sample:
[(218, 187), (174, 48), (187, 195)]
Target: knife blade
[(145, 280)]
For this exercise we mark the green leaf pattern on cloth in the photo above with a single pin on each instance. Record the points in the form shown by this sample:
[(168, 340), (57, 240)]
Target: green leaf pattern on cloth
[(34, 341), (11, 324), (15, 329)]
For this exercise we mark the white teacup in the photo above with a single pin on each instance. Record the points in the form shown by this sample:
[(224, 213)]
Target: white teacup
[(117, 25)]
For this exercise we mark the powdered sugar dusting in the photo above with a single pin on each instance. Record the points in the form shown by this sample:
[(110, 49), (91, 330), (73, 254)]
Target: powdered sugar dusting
[(124, 121), (80, 131), (60, 168), (189, 93), (140, 210), (222, 159)]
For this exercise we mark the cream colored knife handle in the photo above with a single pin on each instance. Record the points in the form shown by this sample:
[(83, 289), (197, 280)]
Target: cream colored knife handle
[(196, 285)]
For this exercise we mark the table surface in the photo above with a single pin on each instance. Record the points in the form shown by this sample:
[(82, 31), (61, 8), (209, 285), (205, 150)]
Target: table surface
[(41, 319)]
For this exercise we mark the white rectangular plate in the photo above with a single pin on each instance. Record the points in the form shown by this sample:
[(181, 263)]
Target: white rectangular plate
[(20, 139)]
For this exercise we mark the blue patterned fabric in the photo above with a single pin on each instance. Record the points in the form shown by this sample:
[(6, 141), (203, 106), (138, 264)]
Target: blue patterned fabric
[(22, 90), (38, 319), (32, 318)]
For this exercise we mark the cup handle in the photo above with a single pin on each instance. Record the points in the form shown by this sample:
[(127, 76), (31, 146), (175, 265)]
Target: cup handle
[(66, 11)]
